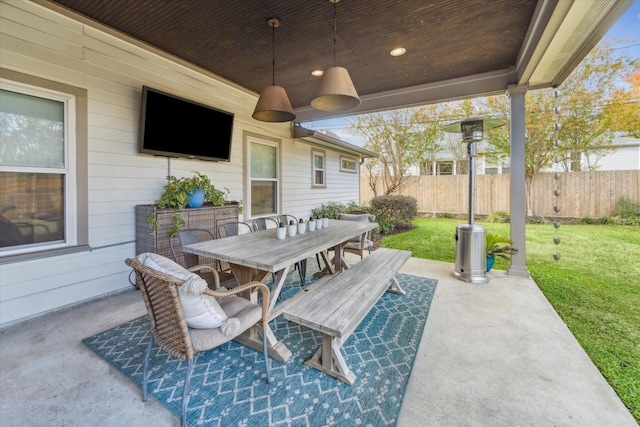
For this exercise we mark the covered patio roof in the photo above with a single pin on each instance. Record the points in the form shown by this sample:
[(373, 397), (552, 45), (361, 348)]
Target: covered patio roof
[(455, 49)]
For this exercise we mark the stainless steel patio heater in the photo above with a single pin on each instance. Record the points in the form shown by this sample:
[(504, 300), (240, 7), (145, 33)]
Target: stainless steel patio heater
[(471, 239)]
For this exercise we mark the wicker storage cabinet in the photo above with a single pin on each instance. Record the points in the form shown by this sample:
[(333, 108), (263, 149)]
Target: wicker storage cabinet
[(207, 217)]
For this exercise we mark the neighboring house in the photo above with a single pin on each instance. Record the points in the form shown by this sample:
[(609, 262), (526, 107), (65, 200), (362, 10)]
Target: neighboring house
[(86, 86), (446, 163), (623, 154)]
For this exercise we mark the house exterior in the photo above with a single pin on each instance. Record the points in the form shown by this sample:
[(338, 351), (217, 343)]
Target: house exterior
[(622, 154), (88, 83)]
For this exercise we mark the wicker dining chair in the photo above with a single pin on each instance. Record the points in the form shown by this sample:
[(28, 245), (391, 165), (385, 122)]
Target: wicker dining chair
[(188, 236), (359, 243), (169, 329)]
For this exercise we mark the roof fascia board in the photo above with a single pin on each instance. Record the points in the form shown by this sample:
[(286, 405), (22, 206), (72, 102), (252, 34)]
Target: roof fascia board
[(554, 21), (544, 17), (319, 138), (495, 82), (614, 12)]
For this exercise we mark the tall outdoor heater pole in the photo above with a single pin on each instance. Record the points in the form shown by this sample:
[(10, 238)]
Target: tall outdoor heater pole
[(471, 239)]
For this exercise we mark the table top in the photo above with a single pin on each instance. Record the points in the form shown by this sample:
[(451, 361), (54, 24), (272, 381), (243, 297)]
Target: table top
[(264, 251)]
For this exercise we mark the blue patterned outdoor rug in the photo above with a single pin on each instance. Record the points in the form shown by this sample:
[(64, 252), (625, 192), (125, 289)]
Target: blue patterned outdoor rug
[(228, 386)]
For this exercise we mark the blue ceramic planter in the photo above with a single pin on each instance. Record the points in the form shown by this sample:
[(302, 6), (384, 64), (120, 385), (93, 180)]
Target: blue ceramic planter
[(490, 261), (195, 199)]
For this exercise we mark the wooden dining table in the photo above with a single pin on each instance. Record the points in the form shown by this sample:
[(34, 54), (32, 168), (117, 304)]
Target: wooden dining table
[(254, 256)]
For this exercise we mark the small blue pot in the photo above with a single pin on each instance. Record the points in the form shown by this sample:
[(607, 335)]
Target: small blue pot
[(195, 199), (490, 261)]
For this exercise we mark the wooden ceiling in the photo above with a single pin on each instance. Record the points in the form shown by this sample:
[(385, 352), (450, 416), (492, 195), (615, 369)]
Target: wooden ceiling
[(445, 40)]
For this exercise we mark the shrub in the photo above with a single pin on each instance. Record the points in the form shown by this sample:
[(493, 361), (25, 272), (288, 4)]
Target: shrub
[(536, 220), (447, 215), (606, 220), (585, 220), (383, 227), (331, 210), (500, 217), (394, 208), (627, 209), (631, 220)]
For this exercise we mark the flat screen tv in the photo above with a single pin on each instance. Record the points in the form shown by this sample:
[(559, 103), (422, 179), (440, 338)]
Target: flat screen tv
[(175, 127)]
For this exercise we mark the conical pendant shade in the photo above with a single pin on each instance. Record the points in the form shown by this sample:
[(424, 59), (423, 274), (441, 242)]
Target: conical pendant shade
[(336, 91), (273, 105)]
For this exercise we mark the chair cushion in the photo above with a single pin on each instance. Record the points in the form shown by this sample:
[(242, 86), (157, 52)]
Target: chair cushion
[(200, 311), (368, 244), (354, 217), (247, 313)]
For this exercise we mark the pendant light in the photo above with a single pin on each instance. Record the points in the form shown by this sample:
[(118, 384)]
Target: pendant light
[(273, 104), (335, 91)]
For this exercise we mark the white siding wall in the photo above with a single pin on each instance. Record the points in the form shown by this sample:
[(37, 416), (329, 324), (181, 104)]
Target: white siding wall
[(621, 159), (37, 41), (299, 197)]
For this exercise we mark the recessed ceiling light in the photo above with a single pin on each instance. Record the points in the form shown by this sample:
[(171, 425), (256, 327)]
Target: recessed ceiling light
[(399, 51), (317, 73)]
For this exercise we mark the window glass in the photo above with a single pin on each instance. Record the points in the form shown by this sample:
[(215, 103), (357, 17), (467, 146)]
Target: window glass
[(32, 208), (462, 167), (263, 161), (444, 168), (318, 168), (348, 164), (263, 197), (33, 174), (263, 186), (31, 131)]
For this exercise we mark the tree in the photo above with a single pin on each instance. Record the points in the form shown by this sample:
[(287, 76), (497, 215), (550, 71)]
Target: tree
[(585, 96), (435, 117), (624, 110), (589, 104), (395, 136)]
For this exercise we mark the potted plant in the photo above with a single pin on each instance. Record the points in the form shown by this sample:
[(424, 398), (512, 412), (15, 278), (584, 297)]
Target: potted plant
[(498, 246), (193, 192)]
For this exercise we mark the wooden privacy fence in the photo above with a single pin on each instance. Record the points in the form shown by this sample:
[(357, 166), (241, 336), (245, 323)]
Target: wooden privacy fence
[(594, 194)]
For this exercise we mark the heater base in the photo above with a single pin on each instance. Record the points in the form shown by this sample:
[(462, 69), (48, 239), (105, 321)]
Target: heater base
[(469, 278)]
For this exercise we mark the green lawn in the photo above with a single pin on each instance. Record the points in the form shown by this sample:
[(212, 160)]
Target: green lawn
[(595, 287)]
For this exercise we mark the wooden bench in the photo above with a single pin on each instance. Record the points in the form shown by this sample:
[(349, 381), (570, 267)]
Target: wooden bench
[(336, 306)]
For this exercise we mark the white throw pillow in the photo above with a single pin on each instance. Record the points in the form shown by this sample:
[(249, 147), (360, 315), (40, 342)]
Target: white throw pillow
[(200, 311)]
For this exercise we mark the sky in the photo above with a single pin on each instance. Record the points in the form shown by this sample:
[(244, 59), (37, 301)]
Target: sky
[(626, 33)]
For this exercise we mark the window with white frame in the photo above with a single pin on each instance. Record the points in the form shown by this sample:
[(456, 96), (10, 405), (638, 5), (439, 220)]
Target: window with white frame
[(348, 164), (263, 177), (444, 168), (318, 168), (38, 199)]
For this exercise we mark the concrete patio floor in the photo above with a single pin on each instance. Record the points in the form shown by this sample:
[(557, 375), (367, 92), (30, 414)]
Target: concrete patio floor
[(491, 355)]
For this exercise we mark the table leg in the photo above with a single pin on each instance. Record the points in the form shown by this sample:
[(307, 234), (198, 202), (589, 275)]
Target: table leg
[(277, 287), (247, 274), (335, 265), (253, 336)]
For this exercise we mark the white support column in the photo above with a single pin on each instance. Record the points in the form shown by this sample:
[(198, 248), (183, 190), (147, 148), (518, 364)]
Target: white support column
[(517, 190)]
